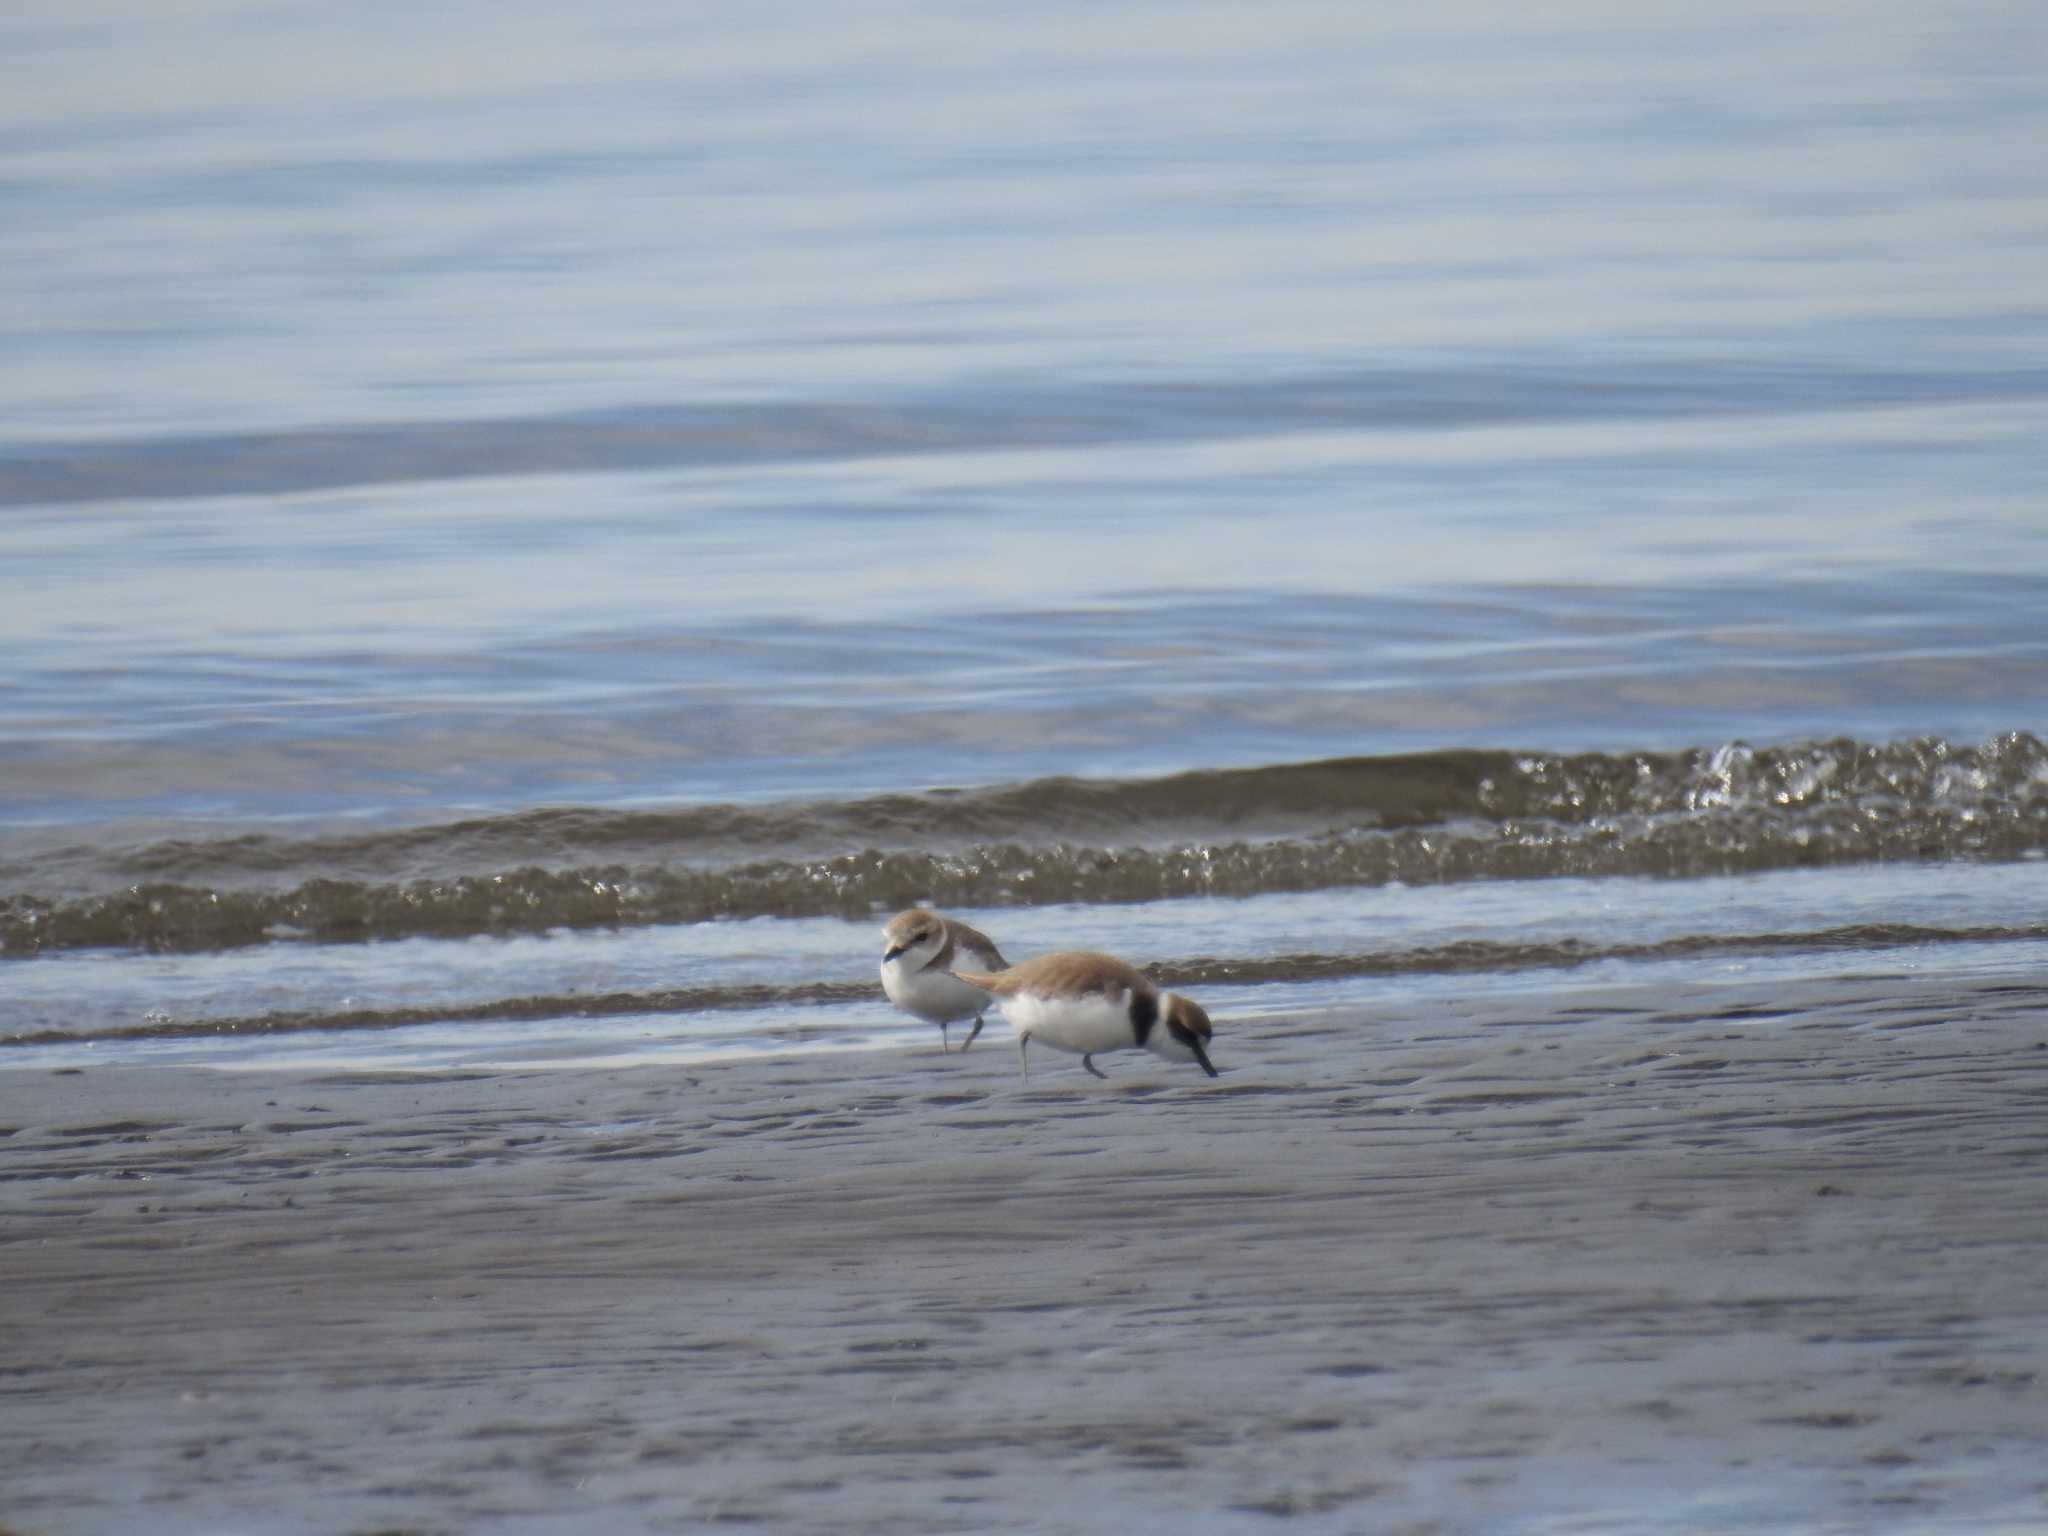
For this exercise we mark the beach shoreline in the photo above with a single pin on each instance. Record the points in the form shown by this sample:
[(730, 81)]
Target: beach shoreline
[(1751, 1256)]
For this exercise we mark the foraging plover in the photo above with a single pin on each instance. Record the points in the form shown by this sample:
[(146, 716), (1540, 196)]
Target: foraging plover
[(1081, 1003), (920, 949)]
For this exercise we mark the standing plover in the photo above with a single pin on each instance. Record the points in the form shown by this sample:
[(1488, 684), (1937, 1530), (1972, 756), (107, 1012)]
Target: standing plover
[(1081, 1003), (919, 952)]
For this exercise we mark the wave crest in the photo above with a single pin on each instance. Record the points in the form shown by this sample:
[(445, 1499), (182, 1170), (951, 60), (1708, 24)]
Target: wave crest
[(1423, 819)]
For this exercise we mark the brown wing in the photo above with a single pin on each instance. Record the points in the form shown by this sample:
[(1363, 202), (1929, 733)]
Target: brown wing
[(973, 947), (1072, 970)]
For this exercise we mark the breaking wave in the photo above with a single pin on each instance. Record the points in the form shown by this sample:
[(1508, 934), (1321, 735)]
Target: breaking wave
[(1419, 819)]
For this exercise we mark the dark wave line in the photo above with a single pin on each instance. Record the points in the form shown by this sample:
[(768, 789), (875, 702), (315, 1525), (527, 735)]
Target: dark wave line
[(1273, 801), (1374, 791), (172, 917), (1457, 817), (772, 432), (1480, 955), (1469, 956)]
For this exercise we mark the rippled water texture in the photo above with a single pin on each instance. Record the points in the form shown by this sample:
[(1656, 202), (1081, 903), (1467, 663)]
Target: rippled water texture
[(1501, 549), (1428, 819), (1147, 465)]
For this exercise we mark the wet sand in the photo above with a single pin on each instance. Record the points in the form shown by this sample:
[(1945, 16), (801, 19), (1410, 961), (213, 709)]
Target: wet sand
[(1742, 1257)]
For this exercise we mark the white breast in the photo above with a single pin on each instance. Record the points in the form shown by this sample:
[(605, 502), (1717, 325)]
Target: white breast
[(935, 996), (1094, 1021)]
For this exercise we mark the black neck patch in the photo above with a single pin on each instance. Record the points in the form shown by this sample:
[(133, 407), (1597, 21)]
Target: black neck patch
[(1144, 1014)]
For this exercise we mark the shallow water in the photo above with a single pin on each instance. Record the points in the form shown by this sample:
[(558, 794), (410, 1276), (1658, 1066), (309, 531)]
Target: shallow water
[(705, 991), (526, 552)]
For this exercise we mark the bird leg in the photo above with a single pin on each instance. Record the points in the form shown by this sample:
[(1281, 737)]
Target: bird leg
[(972, 1033), (1089, 1062)]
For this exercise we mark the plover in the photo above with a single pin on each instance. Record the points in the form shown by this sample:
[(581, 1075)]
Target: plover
[(1081, 1003), (920, 950)]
